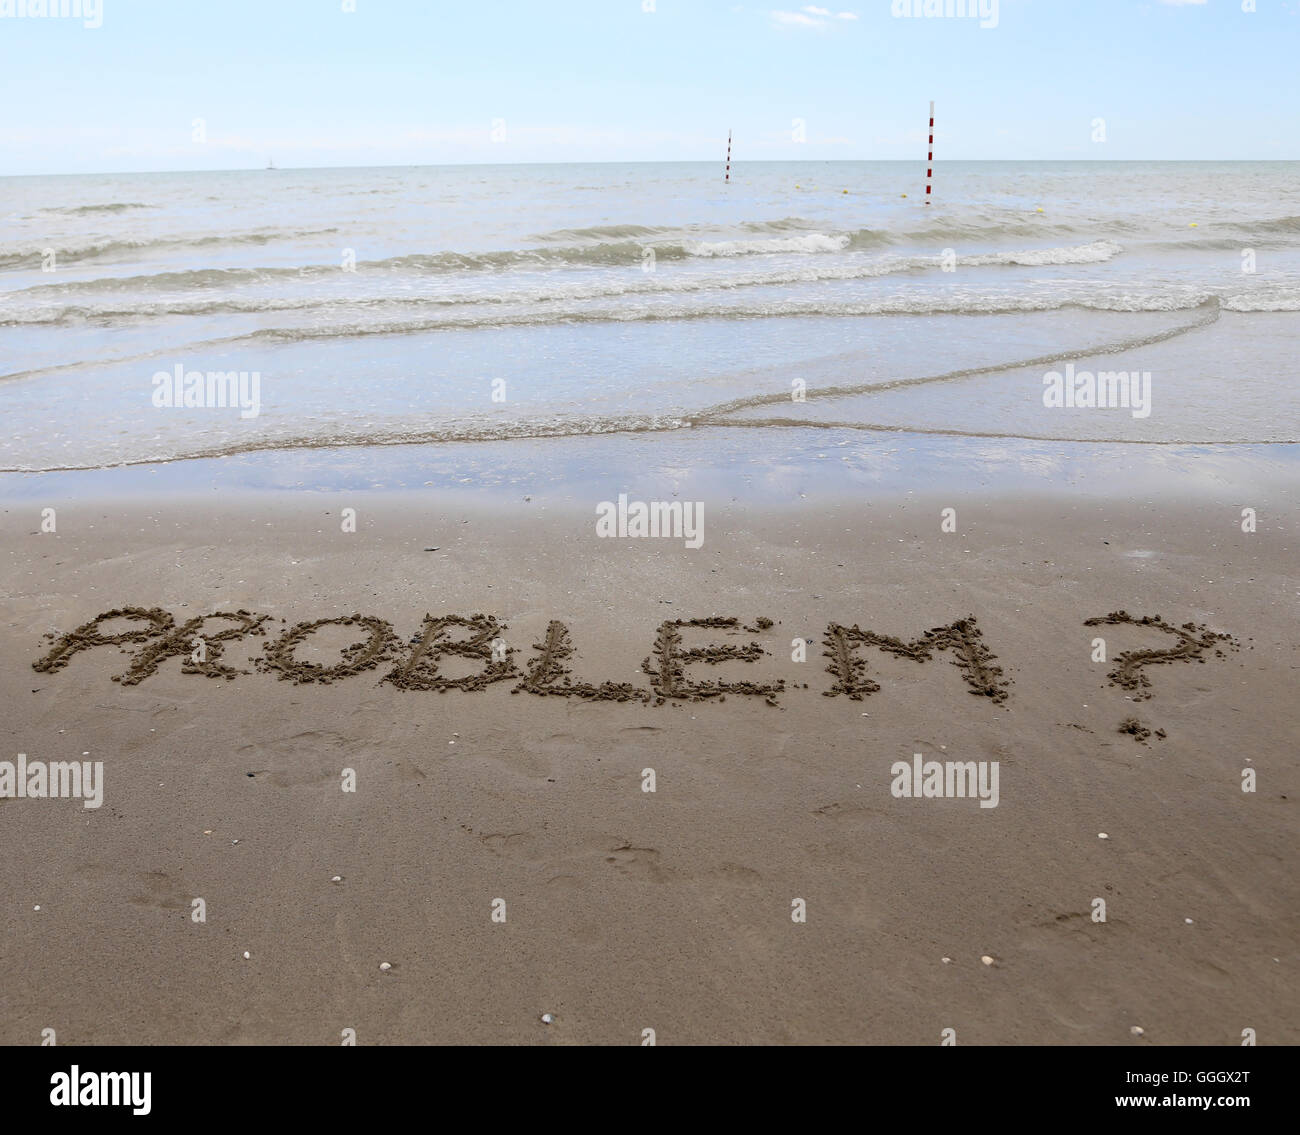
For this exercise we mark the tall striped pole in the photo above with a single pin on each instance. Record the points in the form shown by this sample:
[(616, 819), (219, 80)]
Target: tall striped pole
[(929, 167), (728, 177)]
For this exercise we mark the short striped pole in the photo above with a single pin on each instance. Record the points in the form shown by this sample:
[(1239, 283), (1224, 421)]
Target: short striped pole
[(728, 177), (929, 167)]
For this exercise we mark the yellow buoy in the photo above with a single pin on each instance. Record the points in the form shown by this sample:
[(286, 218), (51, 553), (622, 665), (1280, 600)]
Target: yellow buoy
[(1039, 209), (1192, 225), (902, 194)]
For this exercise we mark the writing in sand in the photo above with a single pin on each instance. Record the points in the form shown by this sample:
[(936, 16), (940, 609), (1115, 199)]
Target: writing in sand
[(478, 642)]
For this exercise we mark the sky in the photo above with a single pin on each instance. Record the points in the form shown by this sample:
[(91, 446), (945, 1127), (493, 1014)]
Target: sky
[(192, 85)]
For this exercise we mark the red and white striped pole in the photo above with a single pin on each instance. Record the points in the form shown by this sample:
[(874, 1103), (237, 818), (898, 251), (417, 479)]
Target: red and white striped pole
[(728, 177), (929, 168)]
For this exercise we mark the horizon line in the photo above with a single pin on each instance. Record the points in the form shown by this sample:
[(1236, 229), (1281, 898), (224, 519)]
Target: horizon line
[(653, 161)]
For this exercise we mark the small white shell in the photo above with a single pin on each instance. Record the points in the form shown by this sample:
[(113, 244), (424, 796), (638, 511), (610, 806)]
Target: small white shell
[(1102, 835), (247, 954), (986, 959), (547, 1018), (385, 966), (1137, 1030)]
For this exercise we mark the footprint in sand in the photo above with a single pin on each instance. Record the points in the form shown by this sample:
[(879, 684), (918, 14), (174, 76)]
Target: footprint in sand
[(293, 778), (638, 862), (158, 889), (518, 846)]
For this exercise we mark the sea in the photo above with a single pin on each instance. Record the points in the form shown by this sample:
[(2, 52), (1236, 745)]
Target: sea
[(497, 324)]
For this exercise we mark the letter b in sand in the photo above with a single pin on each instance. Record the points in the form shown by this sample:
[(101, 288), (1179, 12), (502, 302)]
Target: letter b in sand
[(1099, 910), (798, 910)]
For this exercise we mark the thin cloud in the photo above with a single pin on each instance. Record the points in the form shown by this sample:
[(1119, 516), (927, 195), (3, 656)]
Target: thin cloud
[(796, 20), (810, 16)]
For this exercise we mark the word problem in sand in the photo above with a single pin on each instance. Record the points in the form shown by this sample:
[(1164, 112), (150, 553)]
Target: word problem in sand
[(152, 636)]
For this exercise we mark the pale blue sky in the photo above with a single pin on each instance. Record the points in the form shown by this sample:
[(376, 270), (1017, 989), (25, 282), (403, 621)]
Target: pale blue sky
[(404, 82)]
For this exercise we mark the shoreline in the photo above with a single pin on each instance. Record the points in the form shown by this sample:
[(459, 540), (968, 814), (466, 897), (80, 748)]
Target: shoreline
[(781, 464)]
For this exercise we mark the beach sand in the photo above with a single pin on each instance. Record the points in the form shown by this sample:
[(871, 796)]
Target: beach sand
[(671, 910)]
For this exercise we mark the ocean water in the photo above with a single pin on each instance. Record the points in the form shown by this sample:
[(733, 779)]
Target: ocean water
[(480, 305)]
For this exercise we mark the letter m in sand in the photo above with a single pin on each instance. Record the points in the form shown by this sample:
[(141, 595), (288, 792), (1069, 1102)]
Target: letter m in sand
[(976, 662)]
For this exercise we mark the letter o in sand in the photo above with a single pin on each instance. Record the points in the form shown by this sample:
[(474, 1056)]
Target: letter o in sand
[(364, 655)]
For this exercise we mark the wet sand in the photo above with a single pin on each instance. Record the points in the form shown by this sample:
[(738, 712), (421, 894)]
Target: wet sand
[(516, 771)]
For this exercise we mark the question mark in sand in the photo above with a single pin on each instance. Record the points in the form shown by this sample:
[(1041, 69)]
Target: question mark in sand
[(1128, 674)]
